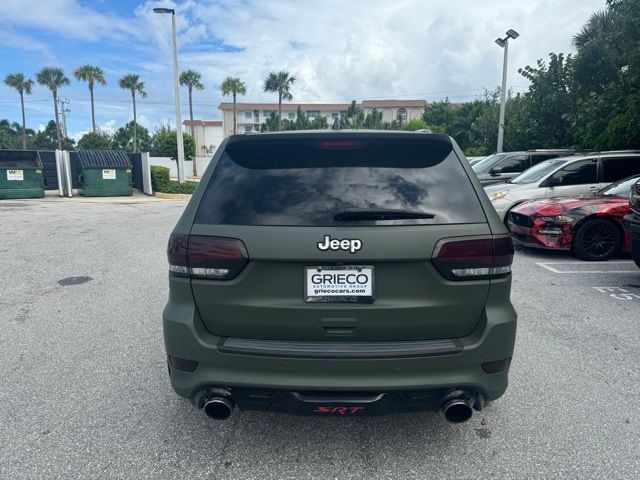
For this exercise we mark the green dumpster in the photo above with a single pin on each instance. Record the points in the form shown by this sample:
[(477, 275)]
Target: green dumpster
[(104, 173), (21, 174)]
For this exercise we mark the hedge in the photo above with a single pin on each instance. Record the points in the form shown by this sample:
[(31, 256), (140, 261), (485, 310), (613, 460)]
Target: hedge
[(161, 182)]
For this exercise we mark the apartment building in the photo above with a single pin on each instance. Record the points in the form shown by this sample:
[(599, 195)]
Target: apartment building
[(251, 115)]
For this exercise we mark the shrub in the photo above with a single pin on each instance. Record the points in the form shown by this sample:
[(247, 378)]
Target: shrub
[(476, 151), (161, 182), (416, 124)]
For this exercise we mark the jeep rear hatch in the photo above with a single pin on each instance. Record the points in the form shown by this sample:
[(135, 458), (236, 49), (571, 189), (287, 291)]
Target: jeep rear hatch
[(275, 216)]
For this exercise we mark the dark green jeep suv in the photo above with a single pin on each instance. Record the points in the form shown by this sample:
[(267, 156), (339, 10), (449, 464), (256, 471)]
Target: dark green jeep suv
[(339, 273)]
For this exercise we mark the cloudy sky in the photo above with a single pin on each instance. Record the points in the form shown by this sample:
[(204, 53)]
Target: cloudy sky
[(339, 50)]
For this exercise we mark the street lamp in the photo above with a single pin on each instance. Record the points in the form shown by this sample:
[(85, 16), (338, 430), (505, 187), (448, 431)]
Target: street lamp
[(504, 43), (176, 86)]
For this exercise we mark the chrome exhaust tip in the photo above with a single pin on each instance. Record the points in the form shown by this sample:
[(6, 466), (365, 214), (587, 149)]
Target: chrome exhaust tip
[(219, 408), (458, 410)]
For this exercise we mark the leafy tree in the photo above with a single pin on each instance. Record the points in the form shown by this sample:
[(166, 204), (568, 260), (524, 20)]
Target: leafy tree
[(23, 85), (9, 132), (165, 144), (439, 114), (90, 74), (191, 79), (373, 120), (271, 123), (550, 100), (95, 140), (233, 86), (416, 124), (123, 138), (354, 116), (47, 139), (131, 82), (53, 78), (280, 82)]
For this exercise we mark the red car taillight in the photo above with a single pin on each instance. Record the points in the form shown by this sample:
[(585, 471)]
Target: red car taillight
[(474, 258), (198, 256)]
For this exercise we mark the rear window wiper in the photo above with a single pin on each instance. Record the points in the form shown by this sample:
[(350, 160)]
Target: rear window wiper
[(355, 214)]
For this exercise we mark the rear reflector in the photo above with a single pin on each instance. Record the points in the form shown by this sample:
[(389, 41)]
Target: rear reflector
[(474, 258), (199, 256), (497, 366), (183, 364)]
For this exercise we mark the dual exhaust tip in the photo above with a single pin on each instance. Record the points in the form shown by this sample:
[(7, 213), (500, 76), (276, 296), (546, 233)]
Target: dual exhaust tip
[(458, 409), (219, 408), (454, 410)]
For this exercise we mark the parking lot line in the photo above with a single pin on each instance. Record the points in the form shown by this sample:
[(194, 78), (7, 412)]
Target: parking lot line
[(548, 266)]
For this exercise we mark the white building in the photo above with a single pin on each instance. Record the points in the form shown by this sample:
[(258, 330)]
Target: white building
[(207, 135), (251, 115)]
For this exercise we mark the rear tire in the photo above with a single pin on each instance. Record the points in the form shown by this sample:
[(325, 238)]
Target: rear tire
[(635, 251), (597, 240)]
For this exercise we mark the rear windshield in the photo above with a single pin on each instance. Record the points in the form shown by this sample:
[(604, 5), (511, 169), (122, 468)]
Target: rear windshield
[(309, 183), (539, 171)]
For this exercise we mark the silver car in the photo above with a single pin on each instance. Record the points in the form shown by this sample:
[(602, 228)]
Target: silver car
[(502, 167), (574, 175)]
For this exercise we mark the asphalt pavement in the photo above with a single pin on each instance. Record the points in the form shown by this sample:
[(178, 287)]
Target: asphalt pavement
[(84, 391)]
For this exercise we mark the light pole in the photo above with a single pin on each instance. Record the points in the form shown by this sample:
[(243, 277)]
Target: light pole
[(504, 43), (176, 86)]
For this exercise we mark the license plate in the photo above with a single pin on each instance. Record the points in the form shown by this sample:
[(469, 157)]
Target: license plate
[(344, 283)]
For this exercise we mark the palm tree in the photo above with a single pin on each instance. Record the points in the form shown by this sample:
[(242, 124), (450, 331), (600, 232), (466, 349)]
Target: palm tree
[(53, 78), (191, 79), (233, 86), (90, 74), (131, 82), (22, 85), (280, 82), (598, 26)]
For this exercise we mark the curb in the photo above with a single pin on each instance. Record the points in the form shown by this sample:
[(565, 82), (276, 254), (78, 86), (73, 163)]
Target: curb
[(173, 196)]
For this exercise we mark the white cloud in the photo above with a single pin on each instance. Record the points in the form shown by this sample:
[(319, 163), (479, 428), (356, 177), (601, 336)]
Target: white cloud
[(109, 127), (343, 50)]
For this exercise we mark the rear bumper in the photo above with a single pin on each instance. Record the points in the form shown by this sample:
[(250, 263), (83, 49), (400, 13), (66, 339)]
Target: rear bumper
[(432, 375)]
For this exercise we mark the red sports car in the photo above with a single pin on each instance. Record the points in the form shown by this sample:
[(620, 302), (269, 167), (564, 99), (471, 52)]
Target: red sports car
[(590, 225)]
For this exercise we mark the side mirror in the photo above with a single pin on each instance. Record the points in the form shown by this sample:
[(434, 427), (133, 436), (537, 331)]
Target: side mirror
[(496, 172)]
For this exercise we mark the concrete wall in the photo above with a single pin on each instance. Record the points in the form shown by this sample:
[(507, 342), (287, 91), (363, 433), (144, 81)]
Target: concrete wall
[(201, 163)]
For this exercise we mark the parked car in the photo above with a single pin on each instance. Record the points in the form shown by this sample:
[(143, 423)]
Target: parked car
[(339, 273), (501, 167), (632, 222), (567, 176), (590, 225), (474, 160)]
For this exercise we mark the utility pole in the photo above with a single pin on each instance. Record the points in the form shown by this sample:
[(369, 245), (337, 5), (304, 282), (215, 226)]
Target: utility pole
[(64, 109), (176, 87)]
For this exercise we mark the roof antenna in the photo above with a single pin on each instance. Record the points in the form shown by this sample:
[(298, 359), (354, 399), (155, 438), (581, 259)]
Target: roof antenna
[(336, 124)]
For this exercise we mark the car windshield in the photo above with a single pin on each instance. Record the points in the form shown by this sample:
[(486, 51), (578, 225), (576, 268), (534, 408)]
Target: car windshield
[(486, 163), (538, 171), (621, 188)]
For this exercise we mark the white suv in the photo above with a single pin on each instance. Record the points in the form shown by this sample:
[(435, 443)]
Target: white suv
[(574, 175)]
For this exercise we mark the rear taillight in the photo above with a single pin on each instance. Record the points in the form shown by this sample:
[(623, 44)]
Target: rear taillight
[(474, 258), (198, 256)]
